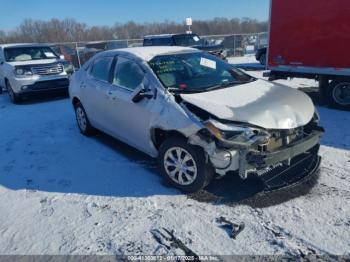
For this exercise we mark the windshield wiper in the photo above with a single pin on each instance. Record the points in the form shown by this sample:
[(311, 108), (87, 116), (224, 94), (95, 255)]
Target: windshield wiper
[(228, 84), (177, 90)]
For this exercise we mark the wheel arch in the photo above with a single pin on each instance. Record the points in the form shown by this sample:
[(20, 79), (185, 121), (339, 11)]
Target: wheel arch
[(159, 135), (75, 101)]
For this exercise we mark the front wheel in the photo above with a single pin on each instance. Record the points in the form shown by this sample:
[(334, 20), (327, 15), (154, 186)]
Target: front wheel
[(340, 94), (15, 99), (184, 166)]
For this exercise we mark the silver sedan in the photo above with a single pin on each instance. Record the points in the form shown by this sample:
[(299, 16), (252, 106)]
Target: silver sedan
[(198, 115)]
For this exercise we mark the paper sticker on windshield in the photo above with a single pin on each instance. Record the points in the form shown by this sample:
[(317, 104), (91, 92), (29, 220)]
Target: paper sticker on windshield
[(49, 54), (196, 38), (208, 63)]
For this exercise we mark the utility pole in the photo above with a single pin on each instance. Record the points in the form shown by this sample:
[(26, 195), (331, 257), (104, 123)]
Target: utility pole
[(189, 24)]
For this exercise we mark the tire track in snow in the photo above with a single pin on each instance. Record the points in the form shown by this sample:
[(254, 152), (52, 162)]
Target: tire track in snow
[(286, 241)]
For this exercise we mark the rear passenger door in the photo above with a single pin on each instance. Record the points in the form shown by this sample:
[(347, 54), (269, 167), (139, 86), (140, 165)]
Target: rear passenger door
[(95, 91), (2, 62)]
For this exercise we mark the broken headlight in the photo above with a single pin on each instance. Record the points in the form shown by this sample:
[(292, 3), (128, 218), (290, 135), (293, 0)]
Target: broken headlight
[(228, 132), (235, 135)]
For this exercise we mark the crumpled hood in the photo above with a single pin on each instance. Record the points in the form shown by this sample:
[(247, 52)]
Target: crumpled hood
[(260, 103)]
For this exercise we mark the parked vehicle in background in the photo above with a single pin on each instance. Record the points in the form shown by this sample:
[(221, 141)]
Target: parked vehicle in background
[(186, 40), (197, 114), (85, 53), (312, 43), (107, 45), (261, 55), (30, 69), (235, 45), (71, 54)]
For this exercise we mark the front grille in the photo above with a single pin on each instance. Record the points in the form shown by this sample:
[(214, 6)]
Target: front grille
[(52, 69), (282, 138), (51, 84)]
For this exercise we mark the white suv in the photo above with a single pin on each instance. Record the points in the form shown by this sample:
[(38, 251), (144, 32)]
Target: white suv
[(31, 69)]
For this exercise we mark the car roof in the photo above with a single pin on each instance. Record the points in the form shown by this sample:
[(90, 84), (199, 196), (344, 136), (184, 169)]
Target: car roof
[(158, 36), (22, 45), (164, 35), (147, 53)]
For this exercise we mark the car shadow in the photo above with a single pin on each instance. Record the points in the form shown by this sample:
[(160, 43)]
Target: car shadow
[(39, 98), (231, 190)]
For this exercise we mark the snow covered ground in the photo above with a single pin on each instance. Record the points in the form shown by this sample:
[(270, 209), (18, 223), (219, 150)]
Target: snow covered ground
[(63, 193)]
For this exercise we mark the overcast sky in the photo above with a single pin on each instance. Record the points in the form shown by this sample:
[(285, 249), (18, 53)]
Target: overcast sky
[(107, 12)]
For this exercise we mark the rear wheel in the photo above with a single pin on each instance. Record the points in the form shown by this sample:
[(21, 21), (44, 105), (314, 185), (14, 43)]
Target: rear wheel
[(15, 98), (184, 166), (340, 94), (83, 122)]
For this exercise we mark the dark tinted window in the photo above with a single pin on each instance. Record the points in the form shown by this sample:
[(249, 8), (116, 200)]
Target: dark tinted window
[(162, 41), (101, 68), (147, 42), (187, 40), (127, 74)]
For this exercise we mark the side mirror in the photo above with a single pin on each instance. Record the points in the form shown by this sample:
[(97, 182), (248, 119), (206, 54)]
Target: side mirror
[(141, 93)]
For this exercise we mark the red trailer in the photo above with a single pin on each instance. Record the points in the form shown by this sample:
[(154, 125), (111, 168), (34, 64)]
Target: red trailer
[(311, 39)]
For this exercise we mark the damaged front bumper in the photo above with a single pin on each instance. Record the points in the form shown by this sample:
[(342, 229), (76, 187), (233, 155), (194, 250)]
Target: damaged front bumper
[(246, 160)]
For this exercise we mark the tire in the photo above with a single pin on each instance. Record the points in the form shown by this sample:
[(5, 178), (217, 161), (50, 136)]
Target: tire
[(339, 94), (15, 98), (262, 59), (83, 122), (195, 172)]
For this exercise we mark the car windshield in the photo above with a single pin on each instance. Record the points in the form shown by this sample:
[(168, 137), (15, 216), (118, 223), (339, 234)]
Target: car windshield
[(196, 72), (187, 40), (16, 54)]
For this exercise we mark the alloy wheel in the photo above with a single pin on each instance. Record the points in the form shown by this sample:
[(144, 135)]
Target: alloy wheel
[(180, 166), (81, 118)]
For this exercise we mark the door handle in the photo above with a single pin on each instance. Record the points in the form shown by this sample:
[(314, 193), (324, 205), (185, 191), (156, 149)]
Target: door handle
[(111, 95)]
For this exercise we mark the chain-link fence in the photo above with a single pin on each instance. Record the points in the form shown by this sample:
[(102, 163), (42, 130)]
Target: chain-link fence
[(234, 45)]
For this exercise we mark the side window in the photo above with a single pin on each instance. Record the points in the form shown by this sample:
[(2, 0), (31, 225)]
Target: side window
[(101, 68), (147, 42), (166, 41), (127, 74)]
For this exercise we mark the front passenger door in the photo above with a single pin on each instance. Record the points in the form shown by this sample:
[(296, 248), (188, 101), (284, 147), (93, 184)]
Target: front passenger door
[(130, 120)]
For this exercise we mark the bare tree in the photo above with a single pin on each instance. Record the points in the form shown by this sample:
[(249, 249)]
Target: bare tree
[(69, 30)]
